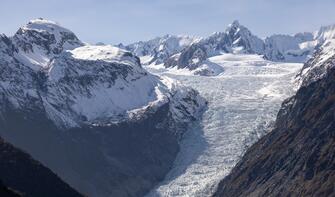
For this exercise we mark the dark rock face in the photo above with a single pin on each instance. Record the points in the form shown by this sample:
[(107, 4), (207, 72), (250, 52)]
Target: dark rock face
[(27, 177), (135, 155), (7, 192), (190, 58), (298, 157)]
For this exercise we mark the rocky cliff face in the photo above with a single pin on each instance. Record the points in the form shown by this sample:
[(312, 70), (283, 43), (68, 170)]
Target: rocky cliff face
[(7, 192), (27, 177), (91, 114), (297, 157)]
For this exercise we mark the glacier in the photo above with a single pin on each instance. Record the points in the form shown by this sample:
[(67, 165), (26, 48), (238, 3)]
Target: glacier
[(242, 104)]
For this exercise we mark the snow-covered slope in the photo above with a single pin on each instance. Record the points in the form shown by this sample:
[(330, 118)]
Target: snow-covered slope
[(50, 82), (325, 33), (323, 57), (103, 84), (158, 50), (297, 48), (288, 48), (317, 67)]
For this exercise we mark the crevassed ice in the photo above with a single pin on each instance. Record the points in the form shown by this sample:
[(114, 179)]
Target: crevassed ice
[(243, 102)]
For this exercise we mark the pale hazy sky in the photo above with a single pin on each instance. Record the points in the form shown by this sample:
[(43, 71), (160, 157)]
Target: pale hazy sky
[(132, 20)]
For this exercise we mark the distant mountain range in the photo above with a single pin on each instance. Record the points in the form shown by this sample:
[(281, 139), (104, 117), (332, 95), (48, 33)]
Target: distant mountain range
[(192, 53)]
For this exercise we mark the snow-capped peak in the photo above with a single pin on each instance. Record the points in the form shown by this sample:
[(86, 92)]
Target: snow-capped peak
[(236, 39), (40, 40), (39, 30), (41, 25)]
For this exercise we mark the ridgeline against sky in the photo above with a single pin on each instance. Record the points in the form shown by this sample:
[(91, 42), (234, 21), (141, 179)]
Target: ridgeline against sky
[(131, 20)]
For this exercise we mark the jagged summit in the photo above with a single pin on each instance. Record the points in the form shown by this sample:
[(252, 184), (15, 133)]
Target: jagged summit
[(236, 39), (243, 41), (325, 33), (234, 25)]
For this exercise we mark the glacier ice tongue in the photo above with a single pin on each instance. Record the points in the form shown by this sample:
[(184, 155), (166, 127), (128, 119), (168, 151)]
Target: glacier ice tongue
[(243, 103)]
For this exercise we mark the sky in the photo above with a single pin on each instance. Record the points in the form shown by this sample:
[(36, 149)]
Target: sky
[(127, 21)]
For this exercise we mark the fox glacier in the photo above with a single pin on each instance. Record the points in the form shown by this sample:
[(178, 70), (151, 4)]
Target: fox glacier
[(168, 117), (244, 98)]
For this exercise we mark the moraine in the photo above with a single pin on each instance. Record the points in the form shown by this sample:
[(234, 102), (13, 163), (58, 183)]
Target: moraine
[(243, 101)]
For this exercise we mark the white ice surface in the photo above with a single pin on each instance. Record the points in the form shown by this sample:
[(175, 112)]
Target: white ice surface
[(242, 101), (107, 53)]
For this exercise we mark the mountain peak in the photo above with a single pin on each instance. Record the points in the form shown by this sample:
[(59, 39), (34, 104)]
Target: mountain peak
[(48, 30), (235, 27), (43, 25), (235, 23), (40, 40)]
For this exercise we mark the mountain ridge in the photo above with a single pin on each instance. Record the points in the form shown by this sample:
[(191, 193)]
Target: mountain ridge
[(79, 102), (296, 48)]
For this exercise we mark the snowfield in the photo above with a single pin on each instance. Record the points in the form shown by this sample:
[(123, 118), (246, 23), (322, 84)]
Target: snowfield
[(243, 103)]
